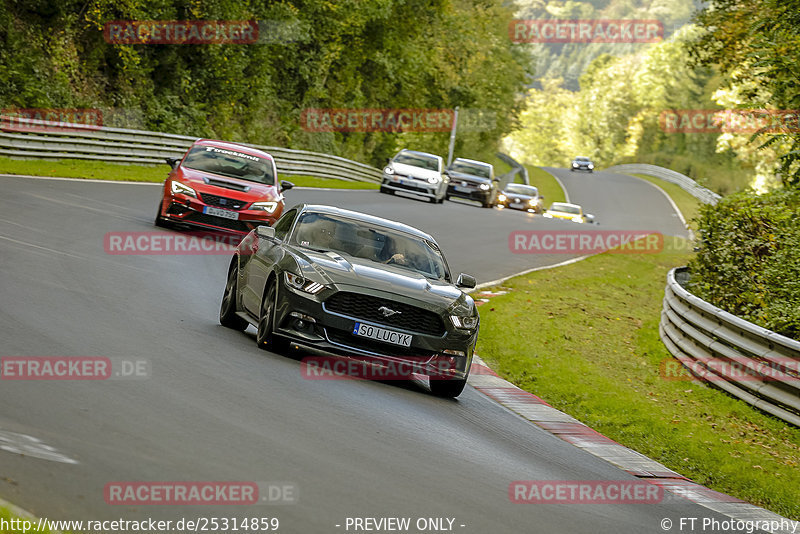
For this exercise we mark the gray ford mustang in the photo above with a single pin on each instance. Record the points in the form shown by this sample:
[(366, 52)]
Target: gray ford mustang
[(357, 286)]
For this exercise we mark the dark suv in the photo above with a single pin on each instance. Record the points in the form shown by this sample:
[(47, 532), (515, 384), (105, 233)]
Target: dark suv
[(473, 180)]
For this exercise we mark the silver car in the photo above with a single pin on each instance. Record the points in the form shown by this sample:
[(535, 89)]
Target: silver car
[(415, 172)]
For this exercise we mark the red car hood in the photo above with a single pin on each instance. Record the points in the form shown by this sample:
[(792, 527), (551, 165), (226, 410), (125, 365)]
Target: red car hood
[(215, 184)]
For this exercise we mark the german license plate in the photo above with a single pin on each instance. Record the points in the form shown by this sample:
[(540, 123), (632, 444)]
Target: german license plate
[(462, 189), (225, 214), (382, 334), (518, 205)]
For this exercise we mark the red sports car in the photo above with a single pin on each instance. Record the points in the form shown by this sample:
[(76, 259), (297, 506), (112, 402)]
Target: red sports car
[(222, 186)]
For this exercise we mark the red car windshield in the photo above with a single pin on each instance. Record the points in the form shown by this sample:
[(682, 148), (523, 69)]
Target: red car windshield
[(230, 163)]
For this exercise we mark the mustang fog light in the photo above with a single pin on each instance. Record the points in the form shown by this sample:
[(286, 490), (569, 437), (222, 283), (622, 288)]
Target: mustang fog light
[(301, 284), (269, 207), (178, 188)]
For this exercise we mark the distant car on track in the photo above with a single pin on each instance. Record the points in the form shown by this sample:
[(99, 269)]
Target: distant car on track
[(222, 186), (415, 172), (473, 180), (355, 285), (570, 212), (521, 197), (582, 163)]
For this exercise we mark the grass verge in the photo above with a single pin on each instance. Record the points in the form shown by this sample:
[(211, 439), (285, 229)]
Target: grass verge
[(585, 338), (688, 204), (548, 186), (100, 170)]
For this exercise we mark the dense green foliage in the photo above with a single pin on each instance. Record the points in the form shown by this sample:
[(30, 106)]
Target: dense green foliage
[(422, 54), (614, 117), (749, 258), (756, 44)]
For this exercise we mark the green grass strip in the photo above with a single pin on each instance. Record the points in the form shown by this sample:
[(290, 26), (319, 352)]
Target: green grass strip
[(585, 338), (100, 170)]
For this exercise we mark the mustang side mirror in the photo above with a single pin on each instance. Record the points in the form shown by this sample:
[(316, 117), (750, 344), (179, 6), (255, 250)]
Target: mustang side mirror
[(172, 162), (465, 280), (285, 185), (265, 232)]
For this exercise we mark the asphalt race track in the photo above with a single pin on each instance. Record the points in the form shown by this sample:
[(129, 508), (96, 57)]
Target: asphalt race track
[(215, 408)]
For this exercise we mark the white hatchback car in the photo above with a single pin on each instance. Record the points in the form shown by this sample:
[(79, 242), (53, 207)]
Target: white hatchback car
[(415, 172)]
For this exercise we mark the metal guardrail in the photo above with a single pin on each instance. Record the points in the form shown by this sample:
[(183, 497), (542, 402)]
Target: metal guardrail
[(32, 138), (704, 195), (744, 359), (516, 168)]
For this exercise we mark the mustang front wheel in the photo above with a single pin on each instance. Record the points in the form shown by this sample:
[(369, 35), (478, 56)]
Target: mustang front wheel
[(265, 337), (227, 310)]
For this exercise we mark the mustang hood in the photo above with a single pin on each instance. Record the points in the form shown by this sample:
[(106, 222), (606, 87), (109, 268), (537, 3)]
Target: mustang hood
[(340, 269)]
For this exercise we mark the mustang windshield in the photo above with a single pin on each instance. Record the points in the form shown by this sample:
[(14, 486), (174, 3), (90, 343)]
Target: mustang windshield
[(324, 232), (230, 163)]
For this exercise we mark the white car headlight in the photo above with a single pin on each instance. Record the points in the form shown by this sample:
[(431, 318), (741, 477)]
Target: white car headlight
[(591, 165), (269, 207), (485, 187), (178, 188), (574, 164), (301, 284), (464, 323), (388, 170), (434, 180)]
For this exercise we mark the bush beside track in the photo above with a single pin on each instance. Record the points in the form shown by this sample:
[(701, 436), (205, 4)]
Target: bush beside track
[(96, 170), (584, 337), (748, 262)]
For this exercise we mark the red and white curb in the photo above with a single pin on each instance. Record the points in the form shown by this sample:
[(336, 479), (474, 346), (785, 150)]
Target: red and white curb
[(566, 427)]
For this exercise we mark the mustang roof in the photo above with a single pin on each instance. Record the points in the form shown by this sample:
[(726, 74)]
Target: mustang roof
[(357, 215)]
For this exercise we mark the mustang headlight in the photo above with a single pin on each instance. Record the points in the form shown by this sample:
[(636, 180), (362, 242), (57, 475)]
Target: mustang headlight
[(388, 170), (464, 322), (269, 207), (178, 188), (301, 284)]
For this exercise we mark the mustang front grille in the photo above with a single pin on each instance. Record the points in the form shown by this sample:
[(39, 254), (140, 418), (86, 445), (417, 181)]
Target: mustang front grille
[(367, 308)]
